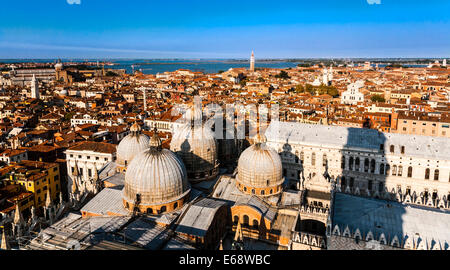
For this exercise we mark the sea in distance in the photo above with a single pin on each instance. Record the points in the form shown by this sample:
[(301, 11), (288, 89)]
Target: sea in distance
[(154, 66)]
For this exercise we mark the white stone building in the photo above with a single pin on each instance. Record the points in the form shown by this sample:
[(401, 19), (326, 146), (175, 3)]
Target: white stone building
[(83, 119), (352, 95), (85, 161), (406, 168)]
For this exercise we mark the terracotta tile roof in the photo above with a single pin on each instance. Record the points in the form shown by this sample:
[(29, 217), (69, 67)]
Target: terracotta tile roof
[(95, 147)]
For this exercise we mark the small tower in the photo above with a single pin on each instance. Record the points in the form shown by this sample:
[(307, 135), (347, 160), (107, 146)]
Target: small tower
[(49, 207), (18, 222), (5, 244), (33, 217), (252, 62), (34, 88)]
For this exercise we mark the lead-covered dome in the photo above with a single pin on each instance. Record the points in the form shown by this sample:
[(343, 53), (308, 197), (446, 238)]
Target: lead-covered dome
[(260, 169), (155, 180), (131, 145), (197, 147)]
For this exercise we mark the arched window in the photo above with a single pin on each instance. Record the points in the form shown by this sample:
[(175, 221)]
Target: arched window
[(245, 188), (410, 171), (253, 191), (175, 205), (313, 159), (382, 168), (271, 191), (366, 165), (324, 160), (380, 186), (427, 173), (149, 211), (436, 174), (392, 148), (372, 166), (350, 164), (262, 192), (357, 164), (343, 163), (402, 149), (255, 224), (388, 169), (302, 157), (394, 170), (246, 221), (343, 181), (163, 209), (235, 220), (400, 170)]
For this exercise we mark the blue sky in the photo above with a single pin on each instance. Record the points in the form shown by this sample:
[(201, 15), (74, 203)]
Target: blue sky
[(224, 29)]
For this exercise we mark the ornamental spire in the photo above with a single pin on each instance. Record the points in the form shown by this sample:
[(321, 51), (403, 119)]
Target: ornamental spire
[(155, 141), (18, 219), (5, 244), (48, 200)]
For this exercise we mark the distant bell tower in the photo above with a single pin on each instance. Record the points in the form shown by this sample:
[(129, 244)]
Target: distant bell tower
[(252, 62), (34, 88)]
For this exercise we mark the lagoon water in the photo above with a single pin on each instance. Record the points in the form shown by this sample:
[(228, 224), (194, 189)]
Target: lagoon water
[(153, 66)]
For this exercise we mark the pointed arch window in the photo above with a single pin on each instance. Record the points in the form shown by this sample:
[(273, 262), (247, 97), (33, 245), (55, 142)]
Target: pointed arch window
[(427, 173), (400, 170), (410, 170), (382, 168), (436, 175), (313, 159), (394, 170)]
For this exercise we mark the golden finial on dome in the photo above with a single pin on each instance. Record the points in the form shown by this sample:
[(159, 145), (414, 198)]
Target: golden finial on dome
[(135, 128), (155, 141), (260, 138)]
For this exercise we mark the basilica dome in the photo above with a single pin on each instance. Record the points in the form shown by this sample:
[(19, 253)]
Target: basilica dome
[(155, 181), (131, 145), (197, 147), (259, 169)]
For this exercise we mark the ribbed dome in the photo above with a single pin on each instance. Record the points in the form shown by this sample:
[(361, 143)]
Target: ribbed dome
[(197, 147), (259, 166), (131, 145), (157, 175)]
